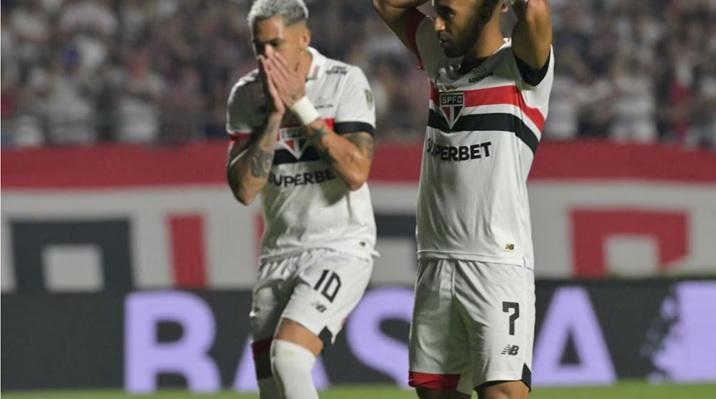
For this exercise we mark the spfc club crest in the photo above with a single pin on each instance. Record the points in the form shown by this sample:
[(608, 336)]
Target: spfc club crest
[(293, 140), (451, 103)]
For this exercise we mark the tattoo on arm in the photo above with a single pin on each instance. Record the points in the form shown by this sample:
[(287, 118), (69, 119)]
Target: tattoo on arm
[(260, 162), (363, 141), (322, 152)]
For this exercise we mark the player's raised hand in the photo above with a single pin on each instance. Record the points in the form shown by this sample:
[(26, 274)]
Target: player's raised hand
[(288, 81), (277, 107)]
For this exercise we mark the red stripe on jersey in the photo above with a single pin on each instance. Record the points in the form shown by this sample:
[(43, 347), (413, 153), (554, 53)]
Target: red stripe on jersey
[(509, 95), (330, 122), (433, 381), (260, 347), (237, 135)]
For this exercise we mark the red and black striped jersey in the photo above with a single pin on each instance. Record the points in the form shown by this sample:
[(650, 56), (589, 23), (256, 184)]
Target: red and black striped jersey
[(483, 130)]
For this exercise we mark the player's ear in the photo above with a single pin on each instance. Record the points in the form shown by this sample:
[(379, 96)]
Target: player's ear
[(305, 38)]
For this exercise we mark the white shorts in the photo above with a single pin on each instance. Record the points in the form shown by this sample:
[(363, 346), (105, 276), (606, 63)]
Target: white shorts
[(473, 323), (317, 288)]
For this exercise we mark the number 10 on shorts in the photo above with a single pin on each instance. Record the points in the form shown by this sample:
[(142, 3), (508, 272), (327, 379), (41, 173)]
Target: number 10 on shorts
[(328, 285)]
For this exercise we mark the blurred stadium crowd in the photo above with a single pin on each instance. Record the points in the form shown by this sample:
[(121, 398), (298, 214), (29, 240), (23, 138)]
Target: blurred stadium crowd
[(157, 71)]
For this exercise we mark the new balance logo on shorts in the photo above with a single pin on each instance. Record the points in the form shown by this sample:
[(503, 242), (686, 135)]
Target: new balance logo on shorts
[(511, 350), (319, 306)]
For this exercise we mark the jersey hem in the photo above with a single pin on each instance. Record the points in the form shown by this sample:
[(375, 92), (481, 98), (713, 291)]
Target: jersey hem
[(503, 376), (510, 260), (367, 254)]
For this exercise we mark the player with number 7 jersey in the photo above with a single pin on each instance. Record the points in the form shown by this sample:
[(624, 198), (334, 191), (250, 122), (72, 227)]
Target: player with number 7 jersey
[(473, 320)]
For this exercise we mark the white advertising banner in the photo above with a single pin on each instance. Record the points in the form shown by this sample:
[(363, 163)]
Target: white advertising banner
[(132, 217)]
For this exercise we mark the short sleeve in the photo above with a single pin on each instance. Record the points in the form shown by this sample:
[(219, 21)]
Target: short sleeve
[(538, 95), (356, 108), (240, 115)]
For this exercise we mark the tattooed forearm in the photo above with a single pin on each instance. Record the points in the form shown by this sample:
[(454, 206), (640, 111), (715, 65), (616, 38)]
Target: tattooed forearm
[(363, 141), (318, 134), (260, 162)]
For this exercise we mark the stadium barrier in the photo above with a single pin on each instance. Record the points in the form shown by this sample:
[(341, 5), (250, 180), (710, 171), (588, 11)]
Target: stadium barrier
[(120, 263), (162, 217)]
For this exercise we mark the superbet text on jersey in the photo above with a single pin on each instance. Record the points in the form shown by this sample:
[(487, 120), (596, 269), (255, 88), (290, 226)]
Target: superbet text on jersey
[(483, 130), (305, 204)]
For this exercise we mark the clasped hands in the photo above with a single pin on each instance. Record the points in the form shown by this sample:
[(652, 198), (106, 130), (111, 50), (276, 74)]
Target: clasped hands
[(285, 85)]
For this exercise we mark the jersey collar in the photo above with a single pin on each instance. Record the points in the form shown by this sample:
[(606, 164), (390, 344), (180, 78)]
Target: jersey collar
[(318, 61)]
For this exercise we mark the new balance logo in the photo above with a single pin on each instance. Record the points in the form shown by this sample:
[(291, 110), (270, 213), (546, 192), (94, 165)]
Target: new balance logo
[(319, 307), (511, 350)]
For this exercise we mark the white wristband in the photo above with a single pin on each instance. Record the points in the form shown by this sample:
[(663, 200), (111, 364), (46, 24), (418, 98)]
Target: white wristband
[(305, 111)]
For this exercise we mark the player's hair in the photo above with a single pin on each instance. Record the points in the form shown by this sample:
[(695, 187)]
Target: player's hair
[(486, 11), (291, 11)]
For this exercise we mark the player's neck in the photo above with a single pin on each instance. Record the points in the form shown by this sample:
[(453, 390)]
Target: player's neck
[(305, 63), (487, 44)]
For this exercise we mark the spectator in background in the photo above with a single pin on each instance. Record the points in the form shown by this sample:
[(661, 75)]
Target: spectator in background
[(183, 107), (567, 97), (671, 43), (30, 29), (92, 17), (139, 91), (704, 107), (634, 102)]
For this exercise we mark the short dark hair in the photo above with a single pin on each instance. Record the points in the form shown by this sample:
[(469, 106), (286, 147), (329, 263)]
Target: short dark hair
[(486, 10)]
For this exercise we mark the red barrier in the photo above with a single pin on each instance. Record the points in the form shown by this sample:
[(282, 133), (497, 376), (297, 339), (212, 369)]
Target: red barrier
[(129, 165)]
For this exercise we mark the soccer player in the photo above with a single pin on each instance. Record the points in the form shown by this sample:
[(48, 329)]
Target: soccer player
[(473, 322), (302, 129)]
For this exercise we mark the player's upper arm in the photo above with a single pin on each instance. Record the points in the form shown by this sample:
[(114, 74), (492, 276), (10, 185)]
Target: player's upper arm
[(355, 115), (241, 119), (532, 36), (238, 121), (236, 147), (402, 21), (355, 109), (363, 141)]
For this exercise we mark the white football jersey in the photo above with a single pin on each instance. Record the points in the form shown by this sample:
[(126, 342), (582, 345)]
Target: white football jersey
[(305, 204), (483, 130)]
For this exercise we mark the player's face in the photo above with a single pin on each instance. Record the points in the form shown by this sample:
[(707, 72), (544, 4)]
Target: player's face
[(273, 35), (458, 24)]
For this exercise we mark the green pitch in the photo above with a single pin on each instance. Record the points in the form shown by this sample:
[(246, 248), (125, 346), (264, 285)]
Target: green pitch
[(623, 390)]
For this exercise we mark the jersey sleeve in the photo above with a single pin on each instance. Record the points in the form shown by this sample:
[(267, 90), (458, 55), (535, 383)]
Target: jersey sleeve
[(537, 87), (239, 119), (356, 108)]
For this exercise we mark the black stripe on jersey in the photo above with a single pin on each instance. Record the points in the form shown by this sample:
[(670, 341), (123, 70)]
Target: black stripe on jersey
[(353, 127), (283, 156), (532, 76), (486, 122)]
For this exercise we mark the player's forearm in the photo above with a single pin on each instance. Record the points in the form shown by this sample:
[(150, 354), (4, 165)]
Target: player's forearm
[(392, 11), (348, 161), (397, 5), (398, 15), (248, 171), (532, 35)]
